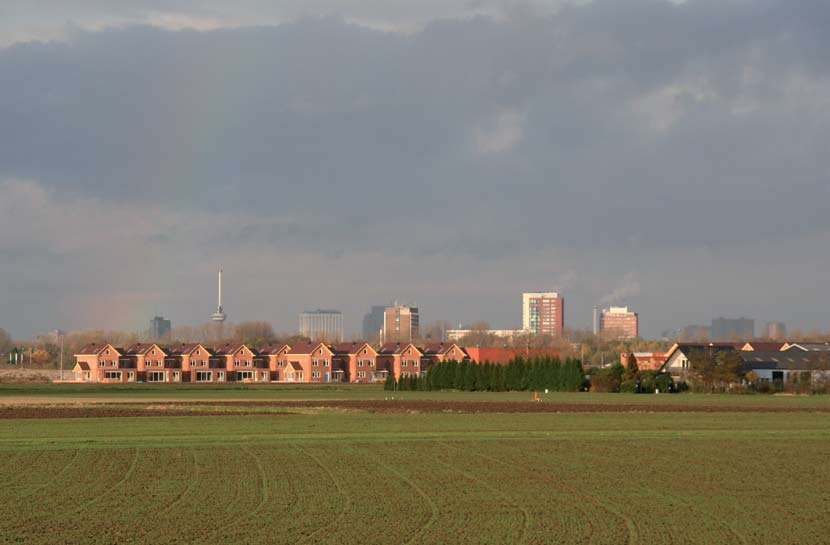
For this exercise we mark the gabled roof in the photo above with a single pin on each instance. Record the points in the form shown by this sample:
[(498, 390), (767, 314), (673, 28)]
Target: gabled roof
[(685, 348), (229, 349), (95, 349), (273, 348), (189, 348), (432, 349), (397, 348), (82, 365), (307, 348), (795, 360), (352, 348), (762, 346), (295, 366), (143, 348), (808, 346)]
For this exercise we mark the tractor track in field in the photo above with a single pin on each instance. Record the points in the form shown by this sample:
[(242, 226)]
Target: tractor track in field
[(345, 505), (526, 517), (430, 503)]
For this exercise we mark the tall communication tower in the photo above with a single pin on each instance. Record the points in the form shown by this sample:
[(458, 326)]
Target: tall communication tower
[(219, 316)]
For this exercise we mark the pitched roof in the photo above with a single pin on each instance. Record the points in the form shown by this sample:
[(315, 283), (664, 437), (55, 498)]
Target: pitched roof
[(188, 348), (397, 348), (83, 365), (796, 360), (812, 346), (306, 348), (229, 349), (143, 348), (431, 349), (96, 348), (763, 346), (295, 366), (273, 348), (350, 348)]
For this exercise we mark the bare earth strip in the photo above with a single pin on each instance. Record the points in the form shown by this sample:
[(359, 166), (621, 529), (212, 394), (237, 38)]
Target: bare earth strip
[(220, 408)]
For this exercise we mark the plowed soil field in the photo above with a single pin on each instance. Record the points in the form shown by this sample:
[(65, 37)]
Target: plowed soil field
[(384, 472)]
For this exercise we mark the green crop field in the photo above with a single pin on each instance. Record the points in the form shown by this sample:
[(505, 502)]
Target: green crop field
[(323, 475)]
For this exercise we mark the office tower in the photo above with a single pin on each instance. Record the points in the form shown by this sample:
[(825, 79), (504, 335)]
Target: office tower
[(400, 324), (543, 313), (619, 323), (322, 325)]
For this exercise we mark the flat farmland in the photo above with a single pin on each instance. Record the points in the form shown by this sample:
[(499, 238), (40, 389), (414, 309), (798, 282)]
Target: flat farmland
[(300, 473)]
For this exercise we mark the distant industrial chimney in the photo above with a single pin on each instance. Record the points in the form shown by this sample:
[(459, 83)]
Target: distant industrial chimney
[(219, 316), (596, 321)]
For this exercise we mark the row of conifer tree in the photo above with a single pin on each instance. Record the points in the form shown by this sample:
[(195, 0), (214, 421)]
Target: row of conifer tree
[(545, 373)]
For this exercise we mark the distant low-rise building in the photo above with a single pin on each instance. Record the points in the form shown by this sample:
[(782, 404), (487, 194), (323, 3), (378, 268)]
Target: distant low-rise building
[(787, 366), (678, 363), (646, 361), (455, 335)]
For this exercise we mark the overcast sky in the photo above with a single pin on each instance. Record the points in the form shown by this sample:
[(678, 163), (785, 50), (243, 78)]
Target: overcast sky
[(449, 153)]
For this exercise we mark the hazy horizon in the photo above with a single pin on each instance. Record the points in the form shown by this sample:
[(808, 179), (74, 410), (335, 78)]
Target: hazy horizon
[(668, 156)]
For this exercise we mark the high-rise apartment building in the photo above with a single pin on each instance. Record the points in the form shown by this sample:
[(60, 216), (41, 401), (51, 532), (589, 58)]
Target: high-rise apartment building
[(400, 324), (322, 325), (777, 331), (619, 323), (732, 329), (159, 328), (373, 323), (543, 313)]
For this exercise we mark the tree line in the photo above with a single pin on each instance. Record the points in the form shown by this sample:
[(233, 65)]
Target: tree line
[(543, 373)]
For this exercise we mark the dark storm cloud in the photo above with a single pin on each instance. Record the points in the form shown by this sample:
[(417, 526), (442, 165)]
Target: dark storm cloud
[(610, 130)]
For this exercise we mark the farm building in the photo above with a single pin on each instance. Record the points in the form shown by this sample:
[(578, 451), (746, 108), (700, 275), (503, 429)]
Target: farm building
[(786, 365)]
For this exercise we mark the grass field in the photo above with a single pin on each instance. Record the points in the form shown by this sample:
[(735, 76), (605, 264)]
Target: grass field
[(323, 475)]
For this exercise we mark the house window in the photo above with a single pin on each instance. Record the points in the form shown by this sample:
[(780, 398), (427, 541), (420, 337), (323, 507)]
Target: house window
[(108, 352), (360, 363), (403, 363), (176, 376), (112, 375), (315, 374), (248, 363), (236, 363), (112, 363), (325, 363), (280, 363), (198, 352), (370, 363), (314, 363), (155, 376), (361, 374), (244, 375), (220, 376), (131, 376), (203, 376)]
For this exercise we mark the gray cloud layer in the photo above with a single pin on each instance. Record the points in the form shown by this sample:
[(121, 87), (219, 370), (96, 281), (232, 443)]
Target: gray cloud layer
[(668, 146)]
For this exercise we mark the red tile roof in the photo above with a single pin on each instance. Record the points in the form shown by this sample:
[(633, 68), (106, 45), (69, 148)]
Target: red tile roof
[(351, 348), (306, 348), (397, 348)]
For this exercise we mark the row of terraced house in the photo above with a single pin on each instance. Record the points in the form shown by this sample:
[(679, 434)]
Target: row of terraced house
[(357, 362)]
